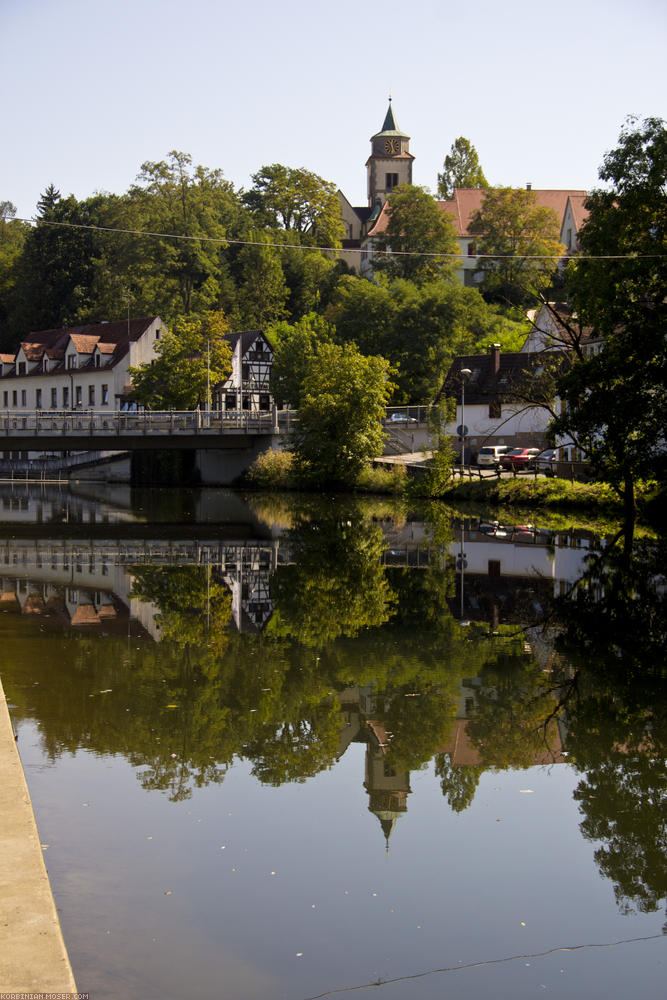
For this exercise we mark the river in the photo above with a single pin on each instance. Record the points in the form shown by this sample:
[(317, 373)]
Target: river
[(297, 747)]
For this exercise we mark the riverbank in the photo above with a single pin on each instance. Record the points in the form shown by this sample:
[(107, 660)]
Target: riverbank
[(33, 957)]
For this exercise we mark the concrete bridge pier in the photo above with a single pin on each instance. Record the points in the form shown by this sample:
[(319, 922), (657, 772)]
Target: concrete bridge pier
[(218, 467)]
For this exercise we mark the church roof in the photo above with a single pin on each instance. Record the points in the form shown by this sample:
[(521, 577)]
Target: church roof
[(389, 126), (467, 201)]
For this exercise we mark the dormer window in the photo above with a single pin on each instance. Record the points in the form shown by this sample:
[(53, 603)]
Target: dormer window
[(21, 367), (98, 361), (72, 361)]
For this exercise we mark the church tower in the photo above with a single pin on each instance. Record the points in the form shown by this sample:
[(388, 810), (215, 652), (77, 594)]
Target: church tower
[(390, 162)]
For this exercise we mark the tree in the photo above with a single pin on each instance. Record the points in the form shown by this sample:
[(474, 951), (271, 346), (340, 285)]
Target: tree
[(262, 291), (55, 271), (295, 347), (200, 207), (616, 400), (419, 240), (343, 401), (13, 234), (299, 201), (519, 241), (461, 169), (192, 356)]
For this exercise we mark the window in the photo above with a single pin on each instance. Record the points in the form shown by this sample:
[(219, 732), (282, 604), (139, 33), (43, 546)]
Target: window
[(264, 402), (65, 397), (494, 409), (79, 395), (91, 395), (71, 361), (5, 399), (38, 399), (230, 401), (21, 367), (391, 181), (494, 567), (98, 361), (105, 395), (245, 372), (471, 249), (54, 398), (24, 397), (15, 398)]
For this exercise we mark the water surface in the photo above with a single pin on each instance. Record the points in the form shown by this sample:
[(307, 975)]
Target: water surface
[(284, 748)]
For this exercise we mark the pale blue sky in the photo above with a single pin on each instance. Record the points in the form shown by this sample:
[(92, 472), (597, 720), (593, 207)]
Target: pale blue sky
[(92, 88)]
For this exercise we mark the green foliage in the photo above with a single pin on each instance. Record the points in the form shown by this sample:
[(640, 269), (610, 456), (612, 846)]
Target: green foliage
[(461, 169), (516, 232), (336, 586), (297, 200), (616, 400), (295, 346), (527, 492), (194, 354), (272, 470), (343, 401), (421, 238), (419, 328)]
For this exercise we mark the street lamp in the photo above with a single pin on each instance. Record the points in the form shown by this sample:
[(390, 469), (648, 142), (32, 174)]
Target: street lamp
[(465, 374)]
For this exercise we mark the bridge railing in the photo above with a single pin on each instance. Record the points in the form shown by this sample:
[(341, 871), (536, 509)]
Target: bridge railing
[(155, 422)]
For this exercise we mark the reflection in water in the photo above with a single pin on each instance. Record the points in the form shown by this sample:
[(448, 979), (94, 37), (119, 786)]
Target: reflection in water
[(470, 643)]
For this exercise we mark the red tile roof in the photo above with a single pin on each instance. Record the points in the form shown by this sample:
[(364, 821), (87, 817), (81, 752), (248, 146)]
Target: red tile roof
[(467, 201)]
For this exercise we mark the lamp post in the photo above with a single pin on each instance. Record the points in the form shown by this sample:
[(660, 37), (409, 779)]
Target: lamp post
[(465, 374)]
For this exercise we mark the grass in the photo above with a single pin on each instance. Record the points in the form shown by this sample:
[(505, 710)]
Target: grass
[(275, 470)]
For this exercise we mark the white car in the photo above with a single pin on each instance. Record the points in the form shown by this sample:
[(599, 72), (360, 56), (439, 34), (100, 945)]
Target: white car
[(401, 418), (491, 455)]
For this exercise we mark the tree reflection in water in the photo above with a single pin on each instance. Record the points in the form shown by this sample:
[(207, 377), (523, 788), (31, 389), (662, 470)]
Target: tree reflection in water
[(359, 650)]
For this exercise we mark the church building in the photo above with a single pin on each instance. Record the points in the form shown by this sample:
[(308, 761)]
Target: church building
[(390, 164)]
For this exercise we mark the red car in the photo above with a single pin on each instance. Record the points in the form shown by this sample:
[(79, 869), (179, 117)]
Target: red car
[(519, 458)]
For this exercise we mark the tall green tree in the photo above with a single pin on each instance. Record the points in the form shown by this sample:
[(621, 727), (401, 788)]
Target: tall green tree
[(299, 201), (13, 234), (461, 169), (520, 241), (616, 400), (55, 270), (198, 208), (193, 356), (419, 242), (295, 347), (343, 401)]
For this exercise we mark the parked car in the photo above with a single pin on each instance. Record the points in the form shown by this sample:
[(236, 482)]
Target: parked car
[(518, 458), (546, 462), (490, 455), (401, 418)]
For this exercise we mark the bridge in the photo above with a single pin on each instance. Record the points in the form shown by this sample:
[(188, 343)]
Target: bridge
[(94, 430)]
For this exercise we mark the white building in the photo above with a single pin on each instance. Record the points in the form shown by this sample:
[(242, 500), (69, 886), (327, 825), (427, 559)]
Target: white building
[(77, 367)]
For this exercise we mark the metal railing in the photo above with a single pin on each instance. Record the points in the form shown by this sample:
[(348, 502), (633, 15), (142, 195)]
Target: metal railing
[(155, 422)]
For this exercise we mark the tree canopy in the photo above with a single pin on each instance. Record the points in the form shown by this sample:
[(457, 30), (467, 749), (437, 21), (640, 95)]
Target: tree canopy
[(299, 201), (191, 358), (461, 169), (616, 398), (520, 241), (343, 400), (421, 238)]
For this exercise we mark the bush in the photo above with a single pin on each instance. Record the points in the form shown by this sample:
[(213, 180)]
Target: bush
[(272, 470), (380, 479)]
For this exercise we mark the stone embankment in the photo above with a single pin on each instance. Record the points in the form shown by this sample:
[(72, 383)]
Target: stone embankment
[(33, 957)]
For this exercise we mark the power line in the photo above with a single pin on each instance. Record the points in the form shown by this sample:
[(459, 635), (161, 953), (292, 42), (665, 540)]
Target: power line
[(299, 246)]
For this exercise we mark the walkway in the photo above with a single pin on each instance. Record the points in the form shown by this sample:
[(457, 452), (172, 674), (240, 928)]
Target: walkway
[(33, 957)]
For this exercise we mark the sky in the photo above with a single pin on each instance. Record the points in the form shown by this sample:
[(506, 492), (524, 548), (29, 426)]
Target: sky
[(91, 89)]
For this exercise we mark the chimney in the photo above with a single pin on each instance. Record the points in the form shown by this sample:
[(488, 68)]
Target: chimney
[(495, 358), (529, 186)]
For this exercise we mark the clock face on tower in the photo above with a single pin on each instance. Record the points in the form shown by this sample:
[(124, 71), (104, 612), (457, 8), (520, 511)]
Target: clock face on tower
[(392, 146)]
